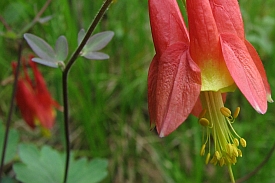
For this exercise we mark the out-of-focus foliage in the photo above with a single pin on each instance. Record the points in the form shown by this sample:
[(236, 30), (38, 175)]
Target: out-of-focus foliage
[(47, 166), (109, 116)]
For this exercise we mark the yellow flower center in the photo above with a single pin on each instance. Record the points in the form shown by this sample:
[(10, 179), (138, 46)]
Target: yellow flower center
[(217, 122)]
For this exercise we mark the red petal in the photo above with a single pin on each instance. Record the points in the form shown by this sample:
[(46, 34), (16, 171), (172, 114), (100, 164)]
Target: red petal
[(203, 32), (257, 61), (25, 99), (176, 88), (167, 24), (152, 85), (197, 108), (43, 97), (244, 72), (228, 17), (40, 83)]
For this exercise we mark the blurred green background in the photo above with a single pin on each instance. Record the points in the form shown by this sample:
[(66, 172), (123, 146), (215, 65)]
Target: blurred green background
[(108, 99)]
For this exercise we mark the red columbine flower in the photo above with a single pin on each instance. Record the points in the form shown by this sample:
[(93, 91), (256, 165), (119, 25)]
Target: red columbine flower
[(227, 61), (188, 77), (174, 80), (34, 100)]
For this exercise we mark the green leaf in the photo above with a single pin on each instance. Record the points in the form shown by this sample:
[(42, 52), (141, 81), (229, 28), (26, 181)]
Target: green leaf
[(45, 19), (95, 171), (96, 56), (45, 62), (47, 166), (40, 47), (61, 48), (11, 145), (94, 44), (98, 41), (80, 36), (8, 180)]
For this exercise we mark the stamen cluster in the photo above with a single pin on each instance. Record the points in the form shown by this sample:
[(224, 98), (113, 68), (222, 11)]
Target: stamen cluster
[(226, 144)]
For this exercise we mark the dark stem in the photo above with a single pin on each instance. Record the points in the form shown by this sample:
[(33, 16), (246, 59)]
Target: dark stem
[(246, 177), (8, 122), (72, 60), (15, 83)]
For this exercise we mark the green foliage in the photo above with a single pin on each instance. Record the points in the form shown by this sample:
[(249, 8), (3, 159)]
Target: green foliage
[(47, 166), (12, 143), (47, 55), (94, 44), (109, 116)]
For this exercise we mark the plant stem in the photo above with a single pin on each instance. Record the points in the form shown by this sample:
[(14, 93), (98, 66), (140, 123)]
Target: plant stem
[(231, 174), (8, 122), (6, 25), (36, 18), (26, 28), (65, 73)]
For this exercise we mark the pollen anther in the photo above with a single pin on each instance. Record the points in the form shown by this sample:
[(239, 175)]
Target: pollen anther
[(202, 152), (222, 162), (202, 114), (217, 154), (236, 142), (240, 153), (207, 158), (236, 113), (225, 111), (243, 142), (217, 121), (204, 121)]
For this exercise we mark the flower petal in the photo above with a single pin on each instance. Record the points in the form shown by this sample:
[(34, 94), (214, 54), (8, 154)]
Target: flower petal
[(174, 86), (25, 99), (203, 32), (205, 48), (228, 17), (244, 71), (46, 114), (257, 61), (152, 85), (167, 24)]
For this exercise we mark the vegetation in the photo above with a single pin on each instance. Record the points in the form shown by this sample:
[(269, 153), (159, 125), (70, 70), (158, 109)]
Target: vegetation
[(108, 99)]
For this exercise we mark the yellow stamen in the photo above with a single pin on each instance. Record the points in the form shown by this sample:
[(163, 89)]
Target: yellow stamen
[(225, 111), (217, 121), (222, 161), (236, 142), (204, 122), (202, 114), (217, 154), (236, 113), (202, 150), (240, 153), (243, 142), (207, 158)]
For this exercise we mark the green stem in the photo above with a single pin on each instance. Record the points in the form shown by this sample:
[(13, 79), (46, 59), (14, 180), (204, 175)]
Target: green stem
[(11, 108), (72, 60), (231, 174)]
